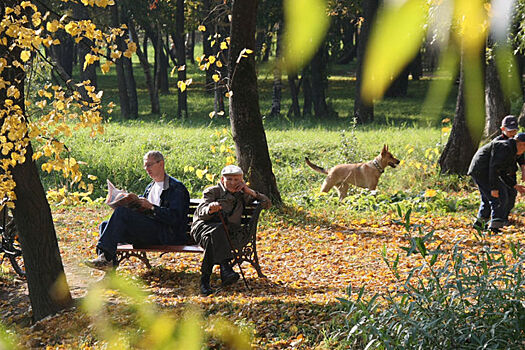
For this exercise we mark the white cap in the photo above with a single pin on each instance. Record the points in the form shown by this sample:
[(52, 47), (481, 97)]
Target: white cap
[(231, 170)]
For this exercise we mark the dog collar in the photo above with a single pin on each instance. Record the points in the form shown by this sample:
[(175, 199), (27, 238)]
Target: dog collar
[(378, 167)]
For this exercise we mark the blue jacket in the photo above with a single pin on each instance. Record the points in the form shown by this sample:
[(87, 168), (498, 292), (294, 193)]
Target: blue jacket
[(173, 208)]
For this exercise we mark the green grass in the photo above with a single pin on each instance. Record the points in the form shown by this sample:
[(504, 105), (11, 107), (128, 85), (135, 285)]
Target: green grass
[(117, 155)]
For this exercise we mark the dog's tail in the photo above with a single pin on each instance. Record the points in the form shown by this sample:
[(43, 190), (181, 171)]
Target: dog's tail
[(315, 167)]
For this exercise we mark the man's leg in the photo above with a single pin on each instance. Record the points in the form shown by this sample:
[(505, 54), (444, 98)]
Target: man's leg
[(484, 211), (499, 208), (511, 201), (129, 226)]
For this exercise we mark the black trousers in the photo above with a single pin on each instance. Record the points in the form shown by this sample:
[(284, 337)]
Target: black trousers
[(211, 236)]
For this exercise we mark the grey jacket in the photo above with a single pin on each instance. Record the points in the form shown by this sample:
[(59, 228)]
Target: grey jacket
[(232, 204)]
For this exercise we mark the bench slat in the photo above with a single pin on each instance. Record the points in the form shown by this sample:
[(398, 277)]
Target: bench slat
[(161, 248)]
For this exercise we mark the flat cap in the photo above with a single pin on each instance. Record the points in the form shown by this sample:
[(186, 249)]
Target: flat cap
[(231, 170)]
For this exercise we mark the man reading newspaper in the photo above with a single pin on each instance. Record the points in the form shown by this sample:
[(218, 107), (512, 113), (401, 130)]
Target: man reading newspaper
[(157, 218)]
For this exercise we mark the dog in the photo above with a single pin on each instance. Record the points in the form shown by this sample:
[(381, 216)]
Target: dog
[(361, 174)]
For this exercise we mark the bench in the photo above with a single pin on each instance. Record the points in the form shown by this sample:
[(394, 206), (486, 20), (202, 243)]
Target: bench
[(248, 252)]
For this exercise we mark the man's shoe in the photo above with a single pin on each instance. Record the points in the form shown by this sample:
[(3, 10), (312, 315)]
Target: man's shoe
[(205, 286), (480, 224), (228, 276), (495, 229), (100, 263)]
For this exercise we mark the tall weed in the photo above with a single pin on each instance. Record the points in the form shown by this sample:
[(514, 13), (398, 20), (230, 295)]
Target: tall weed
[(452, 300)]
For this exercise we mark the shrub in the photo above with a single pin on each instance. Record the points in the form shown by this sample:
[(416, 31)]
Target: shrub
[(453, 300)]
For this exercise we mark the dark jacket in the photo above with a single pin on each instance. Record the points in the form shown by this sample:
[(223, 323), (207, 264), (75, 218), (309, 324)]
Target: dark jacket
[(174, 205), (232, 205), (494, 162), (520, 159)]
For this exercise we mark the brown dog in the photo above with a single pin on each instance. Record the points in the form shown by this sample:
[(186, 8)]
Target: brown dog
[(361, 174)]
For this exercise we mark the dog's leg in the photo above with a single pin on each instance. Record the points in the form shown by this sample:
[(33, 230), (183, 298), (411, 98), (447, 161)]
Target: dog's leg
[(342, 189), (327, 184)]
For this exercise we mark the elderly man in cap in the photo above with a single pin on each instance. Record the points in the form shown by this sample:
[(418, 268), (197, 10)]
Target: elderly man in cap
[(493, 169), (228, 197)]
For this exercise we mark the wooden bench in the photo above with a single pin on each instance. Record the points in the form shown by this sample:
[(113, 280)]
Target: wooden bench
[(247, 253)]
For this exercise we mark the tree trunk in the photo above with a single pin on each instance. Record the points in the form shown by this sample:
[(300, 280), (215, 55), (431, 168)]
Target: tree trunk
[(277, 75), (461, 145), (190, 46), (84, 47), (349, 47), (415, 68), (131, 85), (363, 110), (521, 118), (178, 39), (294, 110), (245, 116), (150, 83), (319, 81), (206, 45), (123, 95), (48, 289), (160, 67), (307, 91), (399, 86), (497, 105)]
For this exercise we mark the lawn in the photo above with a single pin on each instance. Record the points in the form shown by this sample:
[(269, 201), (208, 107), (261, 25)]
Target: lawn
[(312, 249)]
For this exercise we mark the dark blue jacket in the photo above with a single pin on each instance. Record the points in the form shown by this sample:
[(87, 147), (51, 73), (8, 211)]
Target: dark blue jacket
[(173, 208), (494, 162)]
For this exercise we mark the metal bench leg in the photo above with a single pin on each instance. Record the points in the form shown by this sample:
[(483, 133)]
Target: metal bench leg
[(142, 256)]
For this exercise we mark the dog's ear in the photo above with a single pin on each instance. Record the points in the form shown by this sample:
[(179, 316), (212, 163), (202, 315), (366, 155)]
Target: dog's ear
[(385, 149)]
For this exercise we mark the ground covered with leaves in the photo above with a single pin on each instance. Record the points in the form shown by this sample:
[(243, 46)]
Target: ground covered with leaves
[(309, 262)]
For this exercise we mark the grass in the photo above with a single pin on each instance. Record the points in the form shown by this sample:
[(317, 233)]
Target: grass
[(117, 155)]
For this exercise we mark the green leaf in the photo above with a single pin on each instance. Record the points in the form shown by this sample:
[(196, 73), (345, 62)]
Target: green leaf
[(306, 25), (395, 39)]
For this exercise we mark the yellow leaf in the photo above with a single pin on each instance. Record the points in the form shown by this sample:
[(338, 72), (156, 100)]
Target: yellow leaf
[(181, 85), (52, 26), (215, 77), (430, 193), (224, 46), (25, 55), (201, 28)]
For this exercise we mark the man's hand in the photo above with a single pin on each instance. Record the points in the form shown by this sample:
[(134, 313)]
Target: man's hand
[(494, 193), (214, 207), (144, 203), (520, 189)]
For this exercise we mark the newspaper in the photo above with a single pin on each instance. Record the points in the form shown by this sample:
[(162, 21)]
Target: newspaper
[(121, 198)]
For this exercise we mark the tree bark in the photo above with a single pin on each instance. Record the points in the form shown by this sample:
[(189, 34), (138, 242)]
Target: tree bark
[(153, 91), (461, 145), (295, 109), (48, 289), (277, 75), (497, 105), (245, 116), (307, 91), (84, 47), (399, 85), (131, 85), (123, 95), (363, 110), (182, 105), (319, 81), (206, 45), (190, 46)]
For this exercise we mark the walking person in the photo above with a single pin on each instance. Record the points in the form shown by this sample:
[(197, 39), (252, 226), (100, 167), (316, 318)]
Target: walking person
[(493, 169)]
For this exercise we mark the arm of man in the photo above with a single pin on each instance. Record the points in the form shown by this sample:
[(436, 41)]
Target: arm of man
[(254, 195), (177, 203), (206, 210), (498, 159)]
